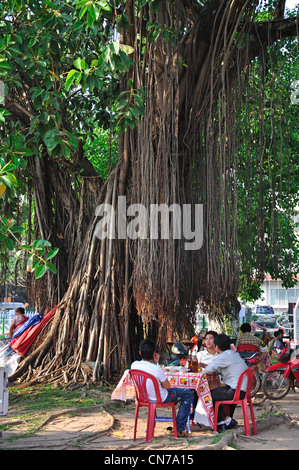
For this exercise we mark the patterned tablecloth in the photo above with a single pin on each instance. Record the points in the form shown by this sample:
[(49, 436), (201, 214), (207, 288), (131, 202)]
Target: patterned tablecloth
[(199, 381)]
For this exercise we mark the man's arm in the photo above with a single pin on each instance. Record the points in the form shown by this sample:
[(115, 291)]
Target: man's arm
[(211, 368), (165, 383), (217, 363), (202, 365)]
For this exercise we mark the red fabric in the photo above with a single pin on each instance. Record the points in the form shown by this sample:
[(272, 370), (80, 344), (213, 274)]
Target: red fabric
[(22, 343)]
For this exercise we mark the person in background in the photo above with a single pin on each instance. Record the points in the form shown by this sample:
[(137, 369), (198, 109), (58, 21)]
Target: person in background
[(230, 365), (242, 315), (278, 343), (18, 320), (254, 326), (150, 363), (246, 336), (276, 346), (277, 337), (265, 339), (207, 355)]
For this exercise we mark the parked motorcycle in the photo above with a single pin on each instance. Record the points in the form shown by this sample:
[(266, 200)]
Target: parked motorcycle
[(180, 351), (281, 377), (179, 354)]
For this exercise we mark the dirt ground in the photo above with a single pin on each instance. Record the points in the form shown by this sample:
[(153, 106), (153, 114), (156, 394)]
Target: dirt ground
[(110, 428)]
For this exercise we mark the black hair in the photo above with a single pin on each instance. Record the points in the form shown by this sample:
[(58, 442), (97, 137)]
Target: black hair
[(278, 332), (222, 341), (21, 310), (147, 347), (211, 333), (245, 328)]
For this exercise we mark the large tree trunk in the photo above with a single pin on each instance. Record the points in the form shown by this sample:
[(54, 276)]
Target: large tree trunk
[(183, 152), (63, 210)]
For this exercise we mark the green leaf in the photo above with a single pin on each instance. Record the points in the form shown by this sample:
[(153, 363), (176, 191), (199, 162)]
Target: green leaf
[(126, 49), (80, 64), (36, 93), (35, 263), (52, 253), (121, 104), (52, 138), (9, 243), (91, 15), (70, 79), (40, 271), (125, 60), (52, 268), (30, 261), (16, 229), (3, 113), (71, 140), (41, 243), (83, 11), (104, 5), (9, 179), (9, 167)]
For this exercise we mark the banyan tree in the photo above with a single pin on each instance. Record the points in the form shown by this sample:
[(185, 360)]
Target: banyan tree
[(188, 85)]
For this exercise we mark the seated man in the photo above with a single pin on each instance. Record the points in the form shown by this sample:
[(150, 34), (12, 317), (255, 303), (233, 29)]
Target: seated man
[(149, 363), (230, 365), (207, 355), (247, 338)]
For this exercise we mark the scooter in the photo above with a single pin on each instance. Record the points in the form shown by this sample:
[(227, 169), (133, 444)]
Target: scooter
[(180, 352), (281, 377)]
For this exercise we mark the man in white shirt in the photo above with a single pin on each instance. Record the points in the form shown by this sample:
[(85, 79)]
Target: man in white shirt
[(230, 365), (149, 363), (207, 355)]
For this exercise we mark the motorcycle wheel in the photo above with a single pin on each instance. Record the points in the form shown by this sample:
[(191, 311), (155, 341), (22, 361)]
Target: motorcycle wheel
[(256, 383), (275, 386)]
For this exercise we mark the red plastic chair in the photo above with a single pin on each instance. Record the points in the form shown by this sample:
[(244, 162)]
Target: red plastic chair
[(239, 401), (247, 348), (139, 379)]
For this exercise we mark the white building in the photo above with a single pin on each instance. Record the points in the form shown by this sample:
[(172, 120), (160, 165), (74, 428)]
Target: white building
[(276, 295)]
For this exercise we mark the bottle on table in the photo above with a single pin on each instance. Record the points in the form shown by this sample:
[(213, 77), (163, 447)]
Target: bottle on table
[(194, 364)]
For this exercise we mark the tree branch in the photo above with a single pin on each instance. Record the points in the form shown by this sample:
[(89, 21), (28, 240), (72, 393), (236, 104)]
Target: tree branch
[(17, 109), (276, 29)]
